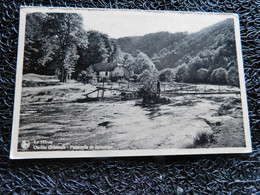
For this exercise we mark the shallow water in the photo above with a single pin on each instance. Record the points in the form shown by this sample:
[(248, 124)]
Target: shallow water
[(121, 125)]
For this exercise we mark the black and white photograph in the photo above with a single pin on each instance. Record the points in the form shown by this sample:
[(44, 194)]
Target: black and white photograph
[(104, 83)]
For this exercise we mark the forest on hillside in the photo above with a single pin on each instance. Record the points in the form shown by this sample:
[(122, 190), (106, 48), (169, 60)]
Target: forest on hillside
[(208, 56), (56, 43)]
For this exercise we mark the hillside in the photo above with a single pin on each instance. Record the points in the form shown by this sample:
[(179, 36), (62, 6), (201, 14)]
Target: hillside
[(150, 44), (167, 50)]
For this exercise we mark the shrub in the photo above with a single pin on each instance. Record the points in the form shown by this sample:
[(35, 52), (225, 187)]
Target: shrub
[(202, 138), (86, 76)]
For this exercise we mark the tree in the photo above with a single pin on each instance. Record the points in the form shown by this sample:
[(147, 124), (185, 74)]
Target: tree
[(203, 75), (233, 77), (129, 61), (53, 37), (38, 50), (182, 74), (100, 49), (218, 76), (63, 30), (192, 68), (149, 90), (69, 62), (167, 75), (143, 62), (146, 75)]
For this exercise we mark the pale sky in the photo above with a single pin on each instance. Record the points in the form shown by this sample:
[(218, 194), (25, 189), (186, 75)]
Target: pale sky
[(136, 23)]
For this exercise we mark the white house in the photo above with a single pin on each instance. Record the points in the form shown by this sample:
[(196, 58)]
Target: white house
[(103, 70), (110, 71)]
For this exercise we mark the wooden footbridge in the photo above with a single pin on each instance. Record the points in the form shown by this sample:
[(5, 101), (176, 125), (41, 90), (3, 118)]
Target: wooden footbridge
[(100, 90)]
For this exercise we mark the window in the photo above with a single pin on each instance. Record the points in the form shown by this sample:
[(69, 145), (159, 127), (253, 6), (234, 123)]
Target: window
[(106, 73)]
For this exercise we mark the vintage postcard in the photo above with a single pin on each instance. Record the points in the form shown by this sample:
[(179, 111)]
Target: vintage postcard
[(106, 83)]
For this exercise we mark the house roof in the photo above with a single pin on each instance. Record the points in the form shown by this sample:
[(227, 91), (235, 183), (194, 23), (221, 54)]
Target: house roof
[(104, 66)]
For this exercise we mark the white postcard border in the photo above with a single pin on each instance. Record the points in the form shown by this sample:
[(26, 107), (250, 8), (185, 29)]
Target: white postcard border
[(14, 154)]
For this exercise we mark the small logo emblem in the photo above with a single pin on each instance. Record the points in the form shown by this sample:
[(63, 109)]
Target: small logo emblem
[(25, 144)]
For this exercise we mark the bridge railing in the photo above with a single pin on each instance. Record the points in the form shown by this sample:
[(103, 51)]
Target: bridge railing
[(174, 88)]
